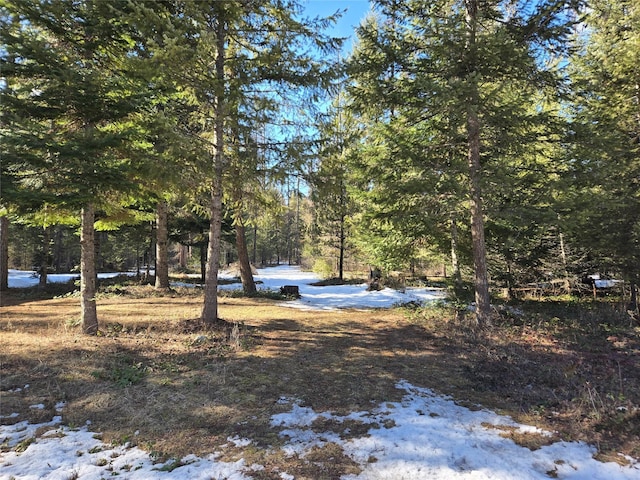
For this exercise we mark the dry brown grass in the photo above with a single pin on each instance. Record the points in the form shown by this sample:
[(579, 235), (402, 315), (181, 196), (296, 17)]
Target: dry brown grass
[(156, 379)]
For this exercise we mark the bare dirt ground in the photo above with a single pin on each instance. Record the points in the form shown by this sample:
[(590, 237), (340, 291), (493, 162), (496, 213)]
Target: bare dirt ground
[(155, 378)]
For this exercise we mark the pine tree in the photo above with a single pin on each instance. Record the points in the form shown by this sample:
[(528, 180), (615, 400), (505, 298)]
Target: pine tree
[(442, 68), (68, 101), (330, 181), (604, 195), (238, 51)]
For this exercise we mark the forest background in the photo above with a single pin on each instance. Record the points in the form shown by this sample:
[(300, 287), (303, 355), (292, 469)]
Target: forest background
[(491, 143)]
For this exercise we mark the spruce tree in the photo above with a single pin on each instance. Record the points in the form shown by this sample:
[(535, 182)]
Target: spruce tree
[(68, 99), (441, 68), (330, 181), (602, 201), (237, 51)]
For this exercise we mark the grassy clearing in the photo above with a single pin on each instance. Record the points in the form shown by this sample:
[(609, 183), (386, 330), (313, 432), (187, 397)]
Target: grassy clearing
[(156, 379)]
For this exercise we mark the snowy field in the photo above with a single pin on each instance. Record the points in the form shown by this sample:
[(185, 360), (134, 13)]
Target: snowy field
[(336, 296), (424, 437)]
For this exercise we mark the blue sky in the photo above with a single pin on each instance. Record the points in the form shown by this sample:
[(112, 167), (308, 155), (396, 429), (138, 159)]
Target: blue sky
[(356, 10)]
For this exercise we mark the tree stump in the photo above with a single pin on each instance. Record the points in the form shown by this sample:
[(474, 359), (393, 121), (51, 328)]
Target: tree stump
[(290, 291)]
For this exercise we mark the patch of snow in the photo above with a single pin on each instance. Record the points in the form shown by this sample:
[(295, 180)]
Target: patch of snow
[(26, 279), (239, 442), (330, 297), (11, 415), (68, 453), (425, 436), (606, 283), (334, 297)]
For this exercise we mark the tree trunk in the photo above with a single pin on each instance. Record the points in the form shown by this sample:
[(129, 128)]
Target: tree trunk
[(563, 257), (342, 248), (44, 260), (248, 285), (210, 308), (481, 279), (58, 249), (298, 243), (4, 253), (162, 240), (203, 261), (183, 255), (455, 264), (633, 303), (149, 257), (88, 310), (255, 244)]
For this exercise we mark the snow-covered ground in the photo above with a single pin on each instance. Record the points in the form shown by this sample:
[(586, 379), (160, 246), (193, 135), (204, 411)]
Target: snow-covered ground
[(24, 279), (335, 296), (341, 296), (425, 436)]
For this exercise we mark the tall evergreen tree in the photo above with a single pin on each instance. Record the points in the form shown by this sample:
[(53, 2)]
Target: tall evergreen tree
[(441, 68), (330, 181), (68, 98), (238, 51), (604, 194)]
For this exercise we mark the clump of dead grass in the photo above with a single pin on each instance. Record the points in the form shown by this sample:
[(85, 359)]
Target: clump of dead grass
[(533, 440)]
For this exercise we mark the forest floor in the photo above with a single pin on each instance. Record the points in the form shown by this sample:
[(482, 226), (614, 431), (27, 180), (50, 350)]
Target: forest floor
[(156, 379)]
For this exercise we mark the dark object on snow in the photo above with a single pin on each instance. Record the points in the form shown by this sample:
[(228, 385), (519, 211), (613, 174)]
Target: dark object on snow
[(290, 291)]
